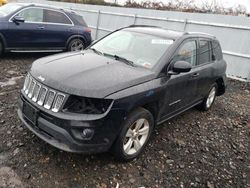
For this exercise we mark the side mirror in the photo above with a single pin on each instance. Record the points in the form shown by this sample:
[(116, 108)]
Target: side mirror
[(181, 66), (18, 19)]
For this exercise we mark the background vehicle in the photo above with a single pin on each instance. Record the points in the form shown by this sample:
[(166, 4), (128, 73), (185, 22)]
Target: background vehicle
[(3, 2), (31, 27), (113, 94)]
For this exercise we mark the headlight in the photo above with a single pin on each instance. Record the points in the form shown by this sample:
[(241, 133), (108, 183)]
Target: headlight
[(82, 105)]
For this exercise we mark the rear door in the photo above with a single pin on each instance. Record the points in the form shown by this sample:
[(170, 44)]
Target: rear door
[(205, 67), (58, 27), (28, 34)]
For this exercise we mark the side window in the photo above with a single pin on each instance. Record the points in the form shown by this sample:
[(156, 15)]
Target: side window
[(32, 15), (51, 16), (217, 52), (204, 52), (187, 52)]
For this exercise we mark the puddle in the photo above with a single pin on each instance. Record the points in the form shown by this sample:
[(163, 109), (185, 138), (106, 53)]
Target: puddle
[(10, 82)]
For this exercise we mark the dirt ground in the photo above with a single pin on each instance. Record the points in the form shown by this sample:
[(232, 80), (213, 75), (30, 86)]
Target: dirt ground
[(196, 149)]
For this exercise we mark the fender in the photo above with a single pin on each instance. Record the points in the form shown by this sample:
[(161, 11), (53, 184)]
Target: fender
[(2, 38)]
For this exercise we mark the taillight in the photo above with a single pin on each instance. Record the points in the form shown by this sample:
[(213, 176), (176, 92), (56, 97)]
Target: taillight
[(88, 30)]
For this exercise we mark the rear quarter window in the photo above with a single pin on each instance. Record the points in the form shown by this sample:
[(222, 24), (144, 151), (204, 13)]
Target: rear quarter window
[(217, 52), (79, 20)]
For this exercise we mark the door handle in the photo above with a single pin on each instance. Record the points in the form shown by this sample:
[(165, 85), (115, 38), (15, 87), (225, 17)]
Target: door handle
[(195, 75), (40, 27)]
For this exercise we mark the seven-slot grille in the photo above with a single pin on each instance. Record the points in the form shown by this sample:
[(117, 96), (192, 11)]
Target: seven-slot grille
[(42, 95)]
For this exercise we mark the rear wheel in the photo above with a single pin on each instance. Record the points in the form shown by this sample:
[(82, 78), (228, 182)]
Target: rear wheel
[(134, 135), (76, 45), (210, 98)]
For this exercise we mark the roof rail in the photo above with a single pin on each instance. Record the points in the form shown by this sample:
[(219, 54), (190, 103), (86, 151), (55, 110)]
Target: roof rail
[(200, 33), (144, 26)]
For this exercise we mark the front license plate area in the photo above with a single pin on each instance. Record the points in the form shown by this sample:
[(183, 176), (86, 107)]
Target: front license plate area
[(30, 113)]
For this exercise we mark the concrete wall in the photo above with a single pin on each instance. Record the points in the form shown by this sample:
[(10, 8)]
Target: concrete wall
[(232, 31)]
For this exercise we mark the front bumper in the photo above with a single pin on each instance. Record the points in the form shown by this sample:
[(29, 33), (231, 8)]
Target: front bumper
[(65, 134)]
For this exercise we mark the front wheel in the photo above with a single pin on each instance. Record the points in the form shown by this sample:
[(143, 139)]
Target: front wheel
[(210, 98), (76, 45), (134, 135), (1, 48)]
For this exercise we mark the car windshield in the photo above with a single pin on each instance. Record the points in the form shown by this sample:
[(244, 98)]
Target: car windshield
[(7, 9), (139, 48)]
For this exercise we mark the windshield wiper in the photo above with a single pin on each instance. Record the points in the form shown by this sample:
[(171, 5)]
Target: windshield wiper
[(119, 58), (96, 51)]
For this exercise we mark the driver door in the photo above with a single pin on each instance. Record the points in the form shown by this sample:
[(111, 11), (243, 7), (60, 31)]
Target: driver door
[(23, 35), (181, 89)]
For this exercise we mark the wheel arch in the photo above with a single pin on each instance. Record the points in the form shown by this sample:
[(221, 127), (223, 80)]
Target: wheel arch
[(153, 108), (221, 86), (76, 37), (2, 39)]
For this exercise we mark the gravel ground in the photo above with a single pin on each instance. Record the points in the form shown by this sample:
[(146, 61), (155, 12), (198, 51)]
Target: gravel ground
[(196, 149)]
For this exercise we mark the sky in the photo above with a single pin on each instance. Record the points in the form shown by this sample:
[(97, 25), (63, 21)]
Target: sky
[(224, 3)]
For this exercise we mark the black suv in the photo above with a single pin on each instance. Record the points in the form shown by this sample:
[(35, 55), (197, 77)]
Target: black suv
[(112, 95)]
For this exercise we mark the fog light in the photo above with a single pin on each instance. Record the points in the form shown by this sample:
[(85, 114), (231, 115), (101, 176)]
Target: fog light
[(87, 133)]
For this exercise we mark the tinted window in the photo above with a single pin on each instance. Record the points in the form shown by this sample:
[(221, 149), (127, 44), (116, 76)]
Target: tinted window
[(204, 52), (51, 16), (32, 15), (187, 52), (79, 19), (217, 50)]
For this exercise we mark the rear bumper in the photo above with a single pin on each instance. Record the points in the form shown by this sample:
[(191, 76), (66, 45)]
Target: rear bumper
[(66, 134)]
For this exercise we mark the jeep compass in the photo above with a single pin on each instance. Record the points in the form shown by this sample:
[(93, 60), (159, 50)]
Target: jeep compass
[(110, 96)]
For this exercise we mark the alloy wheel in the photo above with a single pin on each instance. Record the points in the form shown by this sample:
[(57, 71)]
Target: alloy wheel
[(77, 45), (136, 136), (211, 97)]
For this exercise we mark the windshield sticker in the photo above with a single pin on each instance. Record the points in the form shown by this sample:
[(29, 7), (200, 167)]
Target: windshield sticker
[(162, 41), (147, 65)]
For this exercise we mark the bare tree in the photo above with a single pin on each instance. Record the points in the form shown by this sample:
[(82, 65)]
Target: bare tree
[(188, 6)]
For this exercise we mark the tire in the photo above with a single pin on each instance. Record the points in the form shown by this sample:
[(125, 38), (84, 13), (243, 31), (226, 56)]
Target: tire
[(134, 136), (76, 44), (208, 102), (1, 48)]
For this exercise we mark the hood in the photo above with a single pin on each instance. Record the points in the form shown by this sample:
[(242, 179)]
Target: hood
[(2, 19), (88, 74)]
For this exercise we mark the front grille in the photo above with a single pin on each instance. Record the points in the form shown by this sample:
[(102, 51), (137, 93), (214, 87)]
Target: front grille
[(42, 95)]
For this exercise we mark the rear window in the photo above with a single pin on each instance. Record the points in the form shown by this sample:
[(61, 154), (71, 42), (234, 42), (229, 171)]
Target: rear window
[(51, 16), (217, 52)]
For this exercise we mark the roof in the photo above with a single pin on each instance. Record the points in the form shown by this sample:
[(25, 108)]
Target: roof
[(165, 33), (41, 5), (154, 30)]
